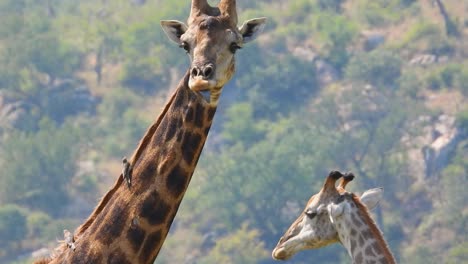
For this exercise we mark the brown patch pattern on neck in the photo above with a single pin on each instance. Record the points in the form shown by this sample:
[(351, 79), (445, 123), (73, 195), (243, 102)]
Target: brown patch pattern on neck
[(375, 231), (138, 218)]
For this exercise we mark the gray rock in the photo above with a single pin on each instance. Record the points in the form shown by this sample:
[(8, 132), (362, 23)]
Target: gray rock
[(372, 40), (446, 136), (423, 59)]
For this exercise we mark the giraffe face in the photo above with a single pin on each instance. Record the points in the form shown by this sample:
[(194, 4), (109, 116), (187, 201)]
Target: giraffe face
[(211, 39), (315, 228), (312, 229)]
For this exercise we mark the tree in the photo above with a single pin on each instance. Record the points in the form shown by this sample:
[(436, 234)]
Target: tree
[(37, 167), (379, 68), (338, 33), (450, 27), (34, 47), (242, 246), (12, 224), (240, 125), (269, 93)]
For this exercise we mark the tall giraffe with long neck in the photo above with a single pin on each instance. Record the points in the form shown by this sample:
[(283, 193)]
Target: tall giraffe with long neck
[(132, 220), (335, 215)]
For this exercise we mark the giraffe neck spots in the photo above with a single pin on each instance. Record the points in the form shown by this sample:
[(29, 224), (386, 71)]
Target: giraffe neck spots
[(118, 257), (359, 238), (153, 208), (153, 241), (131, 224)]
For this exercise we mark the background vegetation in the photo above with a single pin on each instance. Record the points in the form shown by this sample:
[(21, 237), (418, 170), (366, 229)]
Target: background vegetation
[(368, 86)]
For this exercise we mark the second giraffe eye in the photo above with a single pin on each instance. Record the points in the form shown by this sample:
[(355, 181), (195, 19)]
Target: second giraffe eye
[(234, 47), (185, 46), (311, 214)]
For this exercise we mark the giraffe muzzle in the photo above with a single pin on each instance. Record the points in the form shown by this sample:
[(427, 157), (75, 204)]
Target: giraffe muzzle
[(280, 254), (198, 84), (201, 77)]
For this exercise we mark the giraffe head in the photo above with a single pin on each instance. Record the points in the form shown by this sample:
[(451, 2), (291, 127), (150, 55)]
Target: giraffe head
[(211, 38), (314, 228)]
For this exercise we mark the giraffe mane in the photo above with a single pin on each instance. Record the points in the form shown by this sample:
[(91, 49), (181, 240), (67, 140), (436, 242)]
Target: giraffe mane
[(374, 229)]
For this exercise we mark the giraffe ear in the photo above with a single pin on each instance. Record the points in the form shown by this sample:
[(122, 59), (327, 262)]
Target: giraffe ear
[(252, 28), (174, 29), (372, 197)]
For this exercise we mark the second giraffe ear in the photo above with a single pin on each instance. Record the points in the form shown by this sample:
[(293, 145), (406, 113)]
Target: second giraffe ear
[(372, 197), (174, 29)]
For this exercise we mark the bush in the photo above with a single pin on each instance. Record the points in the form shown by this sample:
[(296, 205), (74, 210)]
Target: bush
[(37, 223), (12, 224), (449, 73), (379, 68), (241, 246), (37, 167), (143, 78), (458, 254), (462, 81), (240, 126), (462, 120), (434, 81), (265, 86), (410, 84), (379, 13), (406, 3), (445, 77), (49, 55), (333, 5), (337, 32), (122, 120), (427, 37)]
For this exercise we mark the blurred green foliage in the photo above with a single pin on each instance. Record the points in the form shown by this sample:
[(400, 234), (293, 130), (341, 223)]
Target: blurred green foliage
[(379, 68), (38, 166), (279, 128), (241, 246), (12, 224), (265, 85)]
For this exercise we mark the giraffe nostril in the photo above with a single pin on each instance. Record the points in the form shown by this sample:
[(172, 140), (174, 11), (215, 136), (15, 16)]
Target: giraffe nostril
[(208, 71), (195, 71)]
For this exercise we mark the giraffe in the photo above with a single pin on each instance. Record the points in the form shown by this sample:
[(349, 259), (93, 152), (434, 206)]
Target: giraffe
[(132, 220), (335, 215)]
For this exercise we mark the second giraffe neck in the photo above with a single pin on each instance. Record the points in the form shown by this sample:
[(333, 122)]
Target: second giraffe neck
[(362, 239)]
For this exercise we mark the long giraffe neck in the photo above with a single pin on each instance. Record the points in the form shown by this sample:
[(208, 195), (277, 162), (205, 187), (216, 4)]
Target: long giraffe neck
[(131, 223), (361, 237)]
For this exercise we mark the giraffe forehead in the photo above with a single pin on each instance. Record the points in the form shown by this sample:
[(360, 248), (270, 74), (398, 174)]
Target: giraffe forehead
[(321, 198), (216, 29)]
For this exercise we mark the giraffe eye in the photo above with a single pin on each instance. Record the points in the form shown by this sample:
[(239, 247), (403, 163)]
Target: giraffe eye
[(234, 47), (311, 214), (185, 46)]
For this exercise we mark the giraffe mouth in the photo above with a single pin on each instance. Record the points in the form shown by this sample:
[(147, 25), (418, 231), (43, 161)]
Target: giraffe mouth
[(198, 84), (279, 253)]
